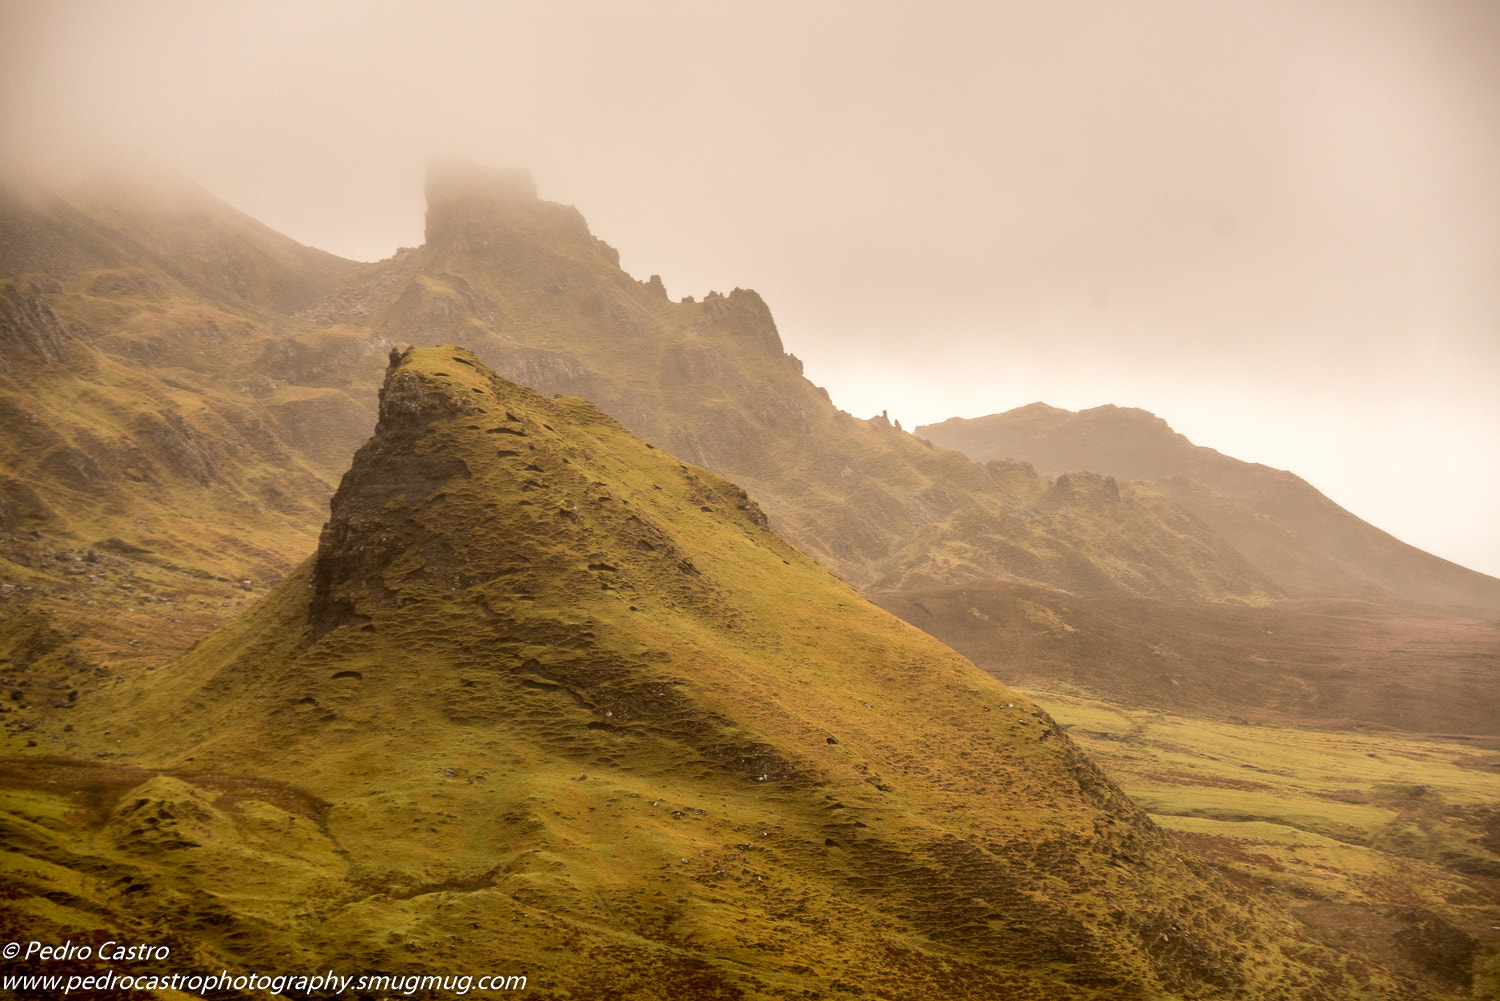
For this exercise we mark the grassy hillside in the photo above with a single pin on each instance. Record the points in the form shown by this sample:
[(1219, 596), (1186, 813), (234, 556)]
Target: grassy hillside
[(173, 433), (548, 700)]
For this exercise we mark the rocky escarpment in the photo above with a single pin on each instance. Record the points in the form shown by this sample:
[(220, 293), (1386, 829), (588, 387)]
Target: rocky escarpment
[(744, 315), (395, 518), (373, 519), (28, 328)]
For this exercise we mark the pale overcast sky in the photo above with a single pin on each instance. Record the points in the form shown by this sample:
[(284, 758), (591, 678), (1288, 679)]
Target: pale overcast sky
[(1275, 224)]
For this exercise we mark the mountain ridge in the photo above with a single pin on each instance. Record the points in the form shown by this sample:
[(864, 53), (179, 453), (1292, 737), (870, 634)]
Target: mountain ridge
[(232, 414), (1289, 530)]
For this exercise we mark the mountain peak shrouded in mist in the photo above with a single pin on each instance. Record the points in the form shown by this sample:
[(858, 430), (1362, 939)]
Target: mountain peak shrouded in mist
[(206, 348), (524, 284), (450, 181), (463, 197), (1259, 220), (485, 211), (292, 335), (112, 224)]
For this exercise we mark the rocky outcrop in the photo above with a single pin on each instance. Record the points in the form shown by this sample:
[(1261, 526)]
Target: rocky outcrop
[(372, 519), (1082, 489), (477, 210), (469, 208), (367, 294), (321, 362), (28, 328), (745, 315)]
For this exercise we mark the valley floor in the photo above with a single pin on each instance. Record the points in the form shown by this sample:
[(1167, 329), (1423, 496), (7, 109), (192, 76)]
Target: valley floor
[(1381, 843)]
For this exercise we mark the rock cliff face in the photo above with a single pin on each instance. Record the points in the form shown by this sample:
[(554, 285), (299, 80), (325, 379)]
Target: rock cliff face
[(28, 328), (743, 314), (373, 515)]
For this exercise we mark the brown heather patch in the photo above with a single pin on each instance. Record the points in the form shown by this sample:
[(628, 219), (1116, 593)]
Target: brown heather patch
[(1234, 852), (1183, 777)]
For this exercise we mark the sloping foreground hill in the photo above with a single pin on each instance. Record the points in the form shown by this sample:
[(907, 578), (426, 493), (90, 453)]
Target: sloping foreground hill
[(549, 702), (1307, 544)]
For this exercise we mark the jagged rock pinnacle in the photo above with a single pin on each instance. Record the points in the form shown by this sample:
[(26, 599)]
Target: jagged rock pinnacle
[(372, 517)]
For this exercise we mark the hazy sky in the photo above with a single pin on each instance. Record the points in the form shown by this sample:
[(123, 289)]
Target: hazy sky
[(1277, 225)]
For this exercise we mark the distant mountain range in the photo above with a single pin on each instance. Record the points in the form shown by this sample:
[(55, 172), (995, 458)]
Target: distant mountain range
[(1298, 538)]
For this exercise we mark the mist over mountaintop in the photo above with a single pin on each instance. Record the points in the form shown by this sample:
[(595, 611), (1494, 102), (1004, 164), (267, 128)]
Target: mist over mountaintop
[(175, 343), (180, 320)]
